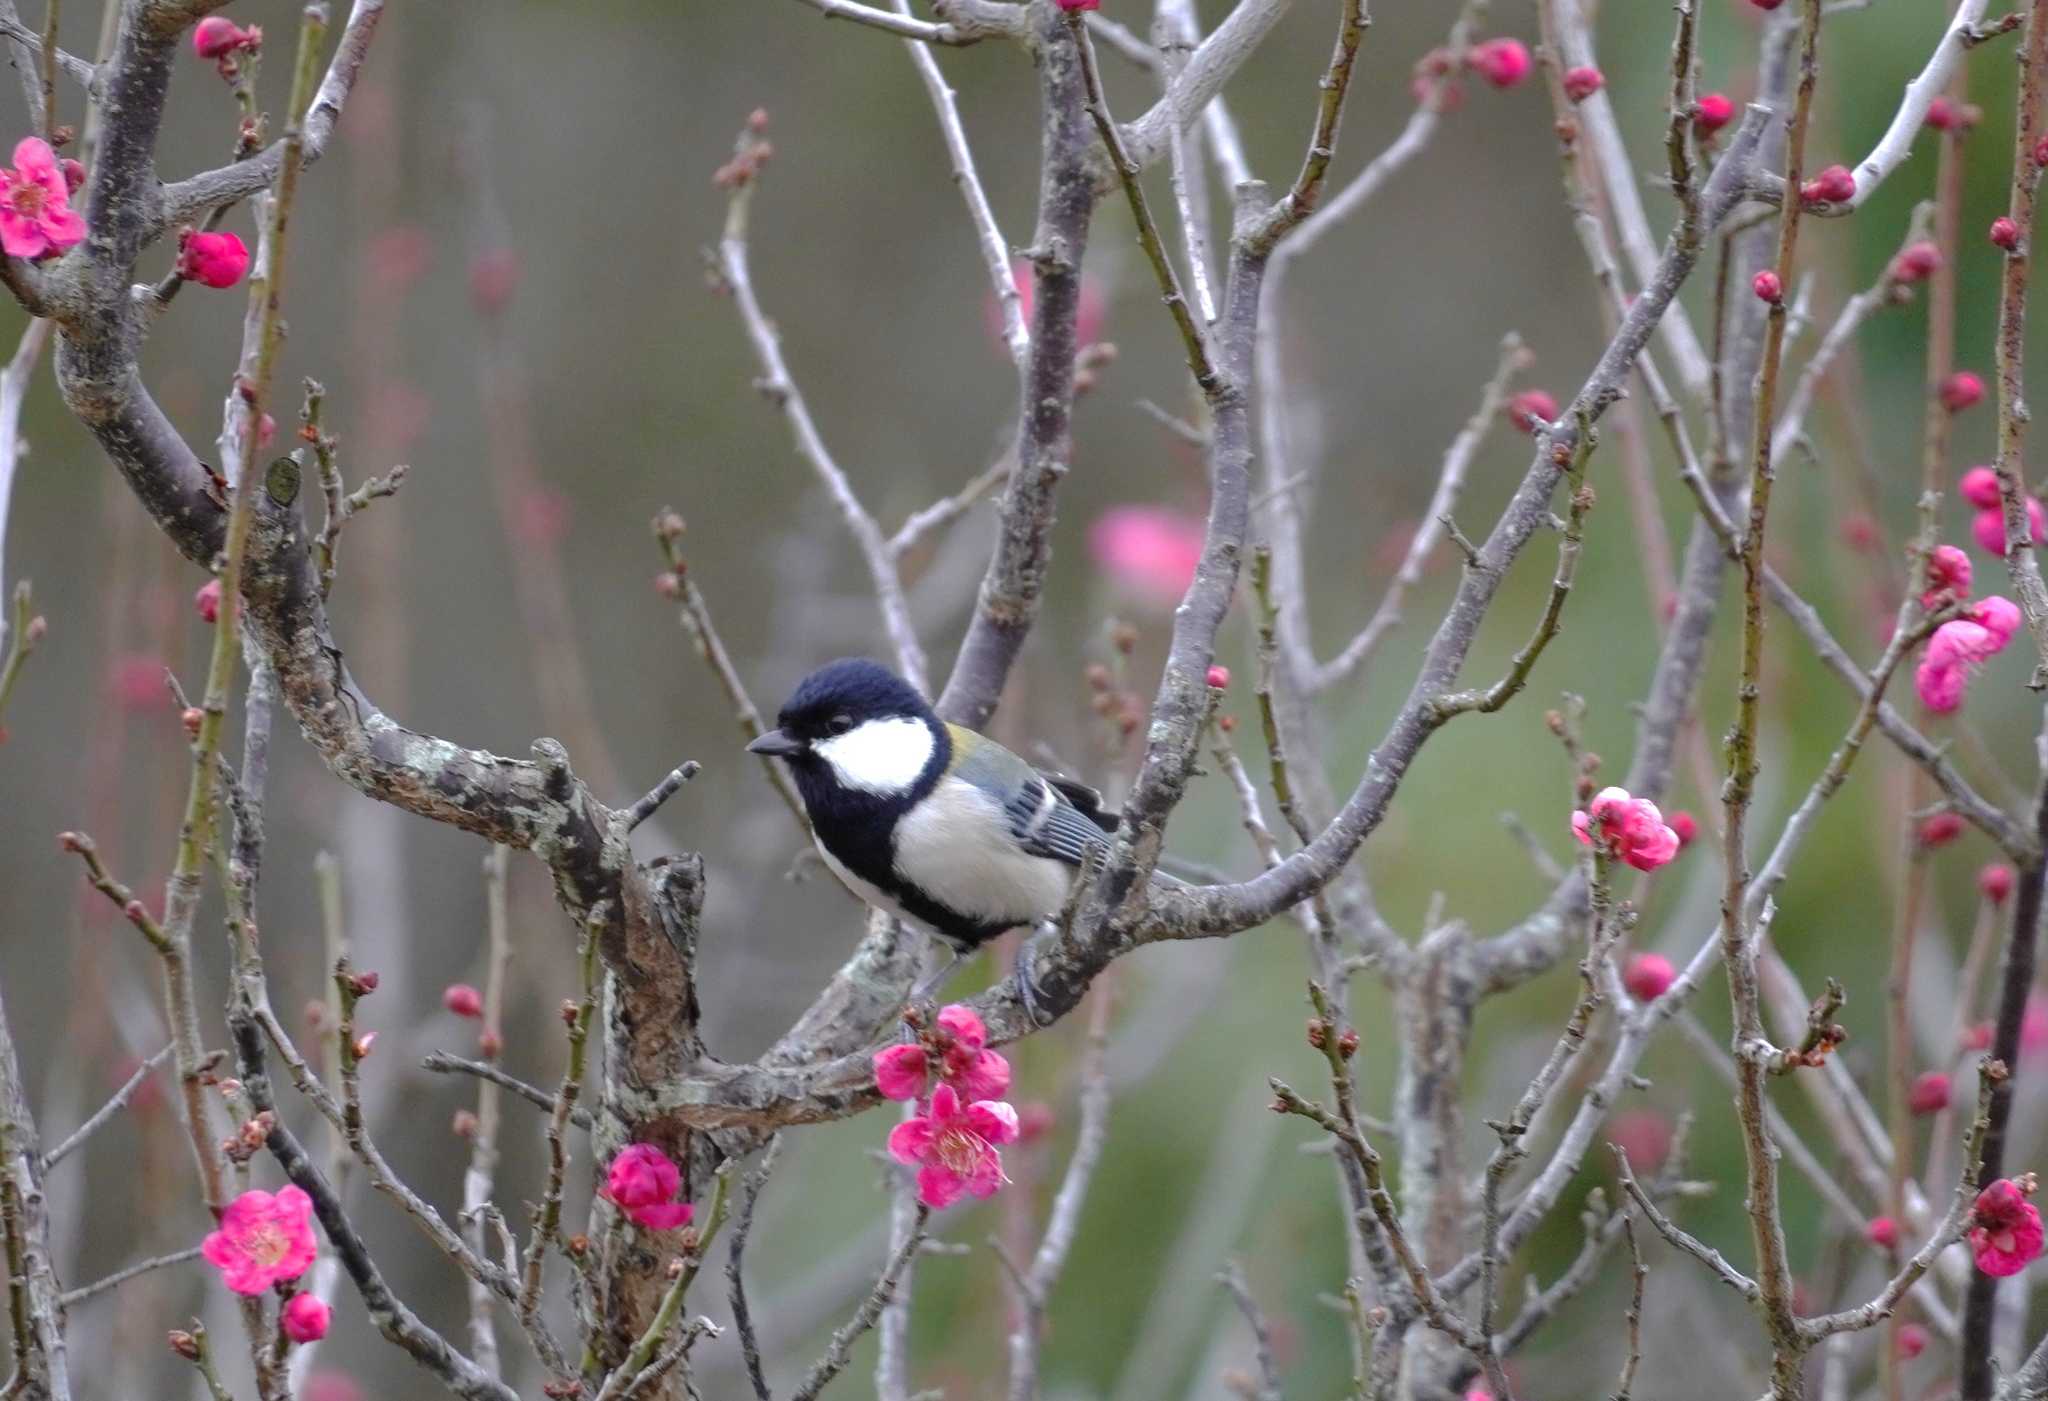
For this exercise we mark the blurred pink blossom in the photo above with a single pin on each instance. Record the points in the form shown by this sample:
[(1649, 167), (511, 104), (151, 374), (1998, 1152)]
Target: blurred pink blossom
[(1150, 550)]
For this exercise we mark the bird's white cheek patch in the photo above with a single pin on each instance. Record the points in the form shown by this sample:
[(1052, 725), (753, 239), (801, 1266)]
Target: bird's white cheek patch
[(879, 756)]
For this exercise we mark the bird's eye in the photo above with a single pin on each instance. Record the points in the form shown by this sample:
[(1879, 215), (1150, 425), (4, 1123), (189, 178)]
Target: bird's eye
[(840, 724)]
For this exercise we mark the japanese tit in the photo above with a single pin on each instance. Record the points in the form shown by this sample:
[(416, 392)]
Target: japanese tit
[(928, 821)]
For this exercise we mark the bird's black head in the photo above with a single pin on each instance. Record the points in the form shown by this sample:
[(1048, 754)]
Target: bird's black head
[(854, 724)]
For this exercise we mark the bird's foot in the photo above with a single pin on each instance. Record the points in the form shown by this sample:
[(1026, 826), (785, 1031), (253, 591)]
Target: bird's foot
[(1027, 986)]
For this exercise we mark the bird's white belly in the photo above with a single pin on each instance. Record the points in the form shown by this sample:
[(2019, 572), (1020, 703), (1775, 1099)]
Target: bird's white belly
[(956, 846)]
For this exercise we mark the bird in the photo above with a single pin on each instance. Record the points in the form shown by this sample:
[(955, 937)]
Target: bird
[(928, 821)]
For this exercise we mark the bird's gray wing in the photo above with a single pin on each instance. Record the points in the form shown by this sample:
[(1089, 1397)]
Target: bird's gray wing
[(1042, 817)]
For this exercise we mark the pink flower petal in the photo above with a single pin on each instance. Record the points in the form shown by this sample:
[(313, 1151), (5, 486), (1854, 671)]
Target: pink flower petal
[(938, 1187), (900, 1071), (662, 1216), (994, 1120), (911, 1140), (960, 1022), (987, 1076)]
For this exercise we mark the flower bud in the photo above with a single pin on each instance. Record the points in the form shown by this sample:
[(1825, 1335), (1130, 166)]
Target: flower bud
[(1767, 287), (1347, 1044), (1834, 185), (1995, 883), (1318, 1032), (1581, 83), (183, 1344), (2005, 233), (192, 718), (363, 1044), (463, 1000), (1219, 678), (1712, 112), (1961, 390), (464, 1124), (212, 259)]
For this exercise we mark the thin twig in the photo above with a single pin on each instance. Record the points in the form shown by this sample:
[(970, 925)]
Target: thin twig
[(781, 390), (446, 1064), (105, 1113), (743, 1225), (120, 1277), (840, 1350)]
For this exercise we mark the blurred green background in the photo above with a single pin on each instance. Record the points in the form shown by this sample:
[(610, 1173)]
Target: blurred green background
[(506, 594)]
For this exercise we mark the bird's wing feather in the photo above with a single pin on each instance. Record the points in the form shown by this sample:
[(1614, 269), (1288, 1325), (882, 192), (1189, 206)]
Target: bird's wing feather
[(1043, 817)]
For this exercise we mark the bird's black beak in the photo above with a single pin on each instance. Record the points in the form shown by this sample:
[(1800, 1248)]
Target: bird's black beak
[(776, 744)]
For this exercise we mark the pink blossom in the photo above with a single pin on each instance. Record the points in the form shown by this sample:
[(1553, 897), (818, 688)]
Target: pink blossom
[(1958, 648), (217, 36), (1998, 616), (493, 278), (463, 1000), (1035, 1119), (1088, 312), (1686, 826), (212, 259), (206, 601), (540, 517), (1995, 883), (1644, 1137), (1916, 262), (1940, 829), (1150, 550), (397, 256), (136, 681), (36, 217), (1929, 1093), (1531, 410), (1768, 287), (1648, 976), (1948, 570), (1979, 487), (954, 1147), (1882, 1232), (959, 1043), (1631, 827), (1960, 391), (2034, 1024), (305, 1318), (1989, 527), (263, 1238), (1218, 678), (1912, 1340), (643, 1182), (2005, 1230), (330, 1386), (1502, 62), (901, 1071), (1945, 114), (1834, 185), (1582, 82), (1712, 112)]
